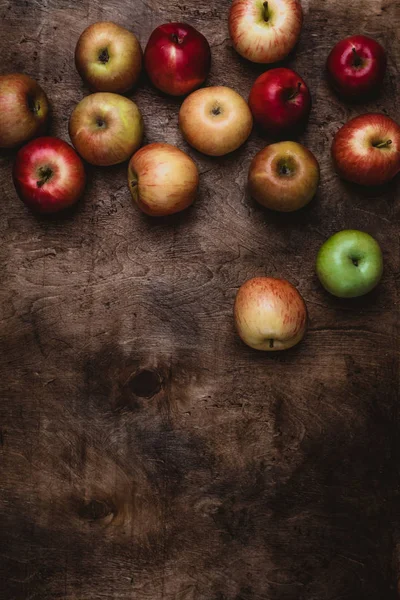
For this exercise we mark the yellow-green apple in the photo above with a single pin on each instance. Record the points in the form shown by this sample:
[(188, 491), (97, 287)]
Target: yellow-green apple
[(356, 67), (24, 110), (265, 32), (280, 102), (367, 149), (162, 179), (177, 58), (284, 176), (215, 120), (270, 314), (48, 175), (106, 129), (108, 57), (349, 264)]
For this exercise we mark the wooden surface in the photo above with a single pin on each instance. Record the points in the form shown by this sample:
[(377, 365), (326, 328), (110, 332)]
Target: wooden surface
[(145, 452)]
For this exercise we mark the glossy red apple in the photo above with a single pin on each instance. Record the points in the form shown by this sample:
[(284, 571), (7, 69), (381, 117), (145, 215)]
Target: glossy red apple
[(265, 32), (270, 314), (24, 110), (162, 179), (280, 101), (177, 58), (48, 175), (108, 57), (367, 149), (356, 66)]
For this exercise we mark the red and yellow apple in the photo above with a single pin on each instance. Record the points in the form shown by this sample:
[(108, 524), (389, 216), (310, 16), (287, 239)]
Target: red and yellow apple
[(177, 58), (215, 120), (24, 110), (48, 175), (108, 57), (106, 129), (162, 179), (270, 314), (284, 176), (367, 149), (265, 32)]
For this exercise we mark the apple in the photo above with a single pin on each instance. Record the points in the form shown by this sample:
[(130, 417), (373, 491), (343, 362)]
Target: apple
[(162, 179), (215, 120), (177, 58), (349, 264), (48, 175), (367, 149), (356, 66), (284, 176), (265, 32), (24, 110), (280, 101), (270, 314), (108, 57), (106, 129)]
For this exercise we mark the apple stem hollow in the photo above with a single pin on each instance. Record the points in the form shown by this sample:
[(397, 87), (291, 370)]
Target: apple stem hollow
[(271, 343), (104, 57), (357, 58), (45, 174), (176, 39), (266, 12)]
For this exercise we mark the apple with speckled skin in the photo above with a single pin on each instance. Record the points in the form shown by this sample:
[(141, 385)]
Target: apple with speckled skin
[(48, 175), (177, 58), (349, 264), (265, 32), (270, 314), (283, 176), (162, 179), (356, 67), (108, 57), (106, 129), (24, 110), (367, 149)]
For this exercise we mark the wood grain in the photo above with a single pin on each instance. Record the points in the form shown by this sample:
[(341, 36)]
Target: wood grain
[(145, 452)]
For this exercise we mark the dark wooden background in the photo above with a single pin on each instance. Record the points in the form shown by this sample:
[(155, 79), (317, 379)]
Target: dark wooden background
[(145, 452)]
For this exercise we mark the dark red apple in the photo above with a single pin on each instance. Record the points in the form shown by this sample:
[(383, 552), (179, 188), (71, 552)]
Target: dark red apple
[(367, 149), (356, 66), (48, 175), (280, 101), (177, 58)]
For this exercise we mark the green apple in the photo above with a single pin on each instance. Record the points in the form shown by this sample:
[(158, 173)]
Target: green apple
[(349, 264)]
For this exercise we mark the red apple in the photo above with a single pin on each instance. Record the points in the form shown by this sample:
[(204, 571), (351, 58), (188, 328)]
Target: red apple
[(356, 66), (270, 314), (177, 58), (106, 129), (108, 57), (367, 149), (24, 110), (265, 32), (215, 120), (48, 175), (284, 176), (280, 101), (162, 179)]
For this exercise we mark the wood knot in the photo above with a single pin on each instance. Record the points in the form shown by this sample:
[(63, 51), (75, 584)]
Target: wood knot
[(145, 383), (97, 510)]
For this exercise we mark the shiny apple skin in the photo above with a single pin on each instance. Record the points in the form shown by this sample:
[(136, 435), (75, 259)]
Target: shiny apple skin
[(64, 186), (350, 79), (24, 110), (280, 101), (355, 157), (117, 72), (106, 129), (270, 314), (284, 176), (162, 179), (177, 58), (215, 120), (262, 41)]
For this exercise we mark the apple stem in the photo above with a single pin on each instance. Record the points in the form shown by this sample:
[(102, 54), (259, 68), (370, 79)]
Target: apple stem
[(46, 173), (296, 91), (271, 343), (357, 58), (384, 144), (176, 39), (266, 11)]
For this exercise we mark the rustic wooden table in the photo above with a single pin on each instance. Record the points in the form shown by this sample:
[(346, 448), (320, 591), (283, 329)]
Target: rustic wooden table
[(145, 452)]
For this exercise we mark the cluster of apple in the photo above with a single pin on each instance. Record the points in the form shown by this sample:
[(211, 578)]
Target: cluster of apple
[(106, 128)]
